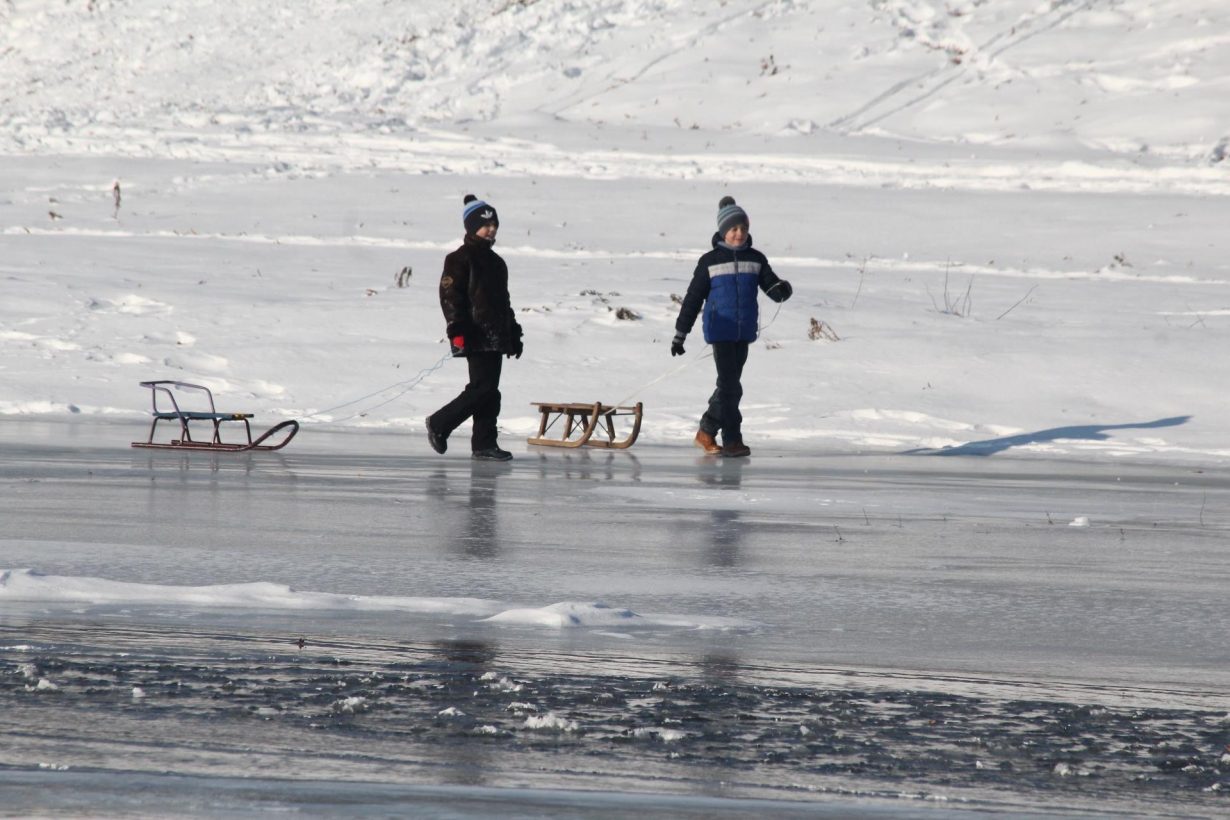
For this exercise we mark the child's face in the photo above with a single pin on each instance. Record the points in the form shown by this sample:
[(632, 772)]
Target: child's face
[(736, 235), (487, 231)]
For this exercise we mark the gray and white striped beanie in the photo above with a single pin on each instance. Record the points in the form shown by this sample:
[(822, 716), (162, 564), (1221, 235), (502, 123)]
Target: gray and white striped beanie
[(729, 215)]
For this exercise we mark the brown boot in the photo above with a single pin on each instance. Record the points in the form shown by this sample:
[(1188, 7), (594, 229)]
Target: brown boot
[(735, 448), (707, 442)]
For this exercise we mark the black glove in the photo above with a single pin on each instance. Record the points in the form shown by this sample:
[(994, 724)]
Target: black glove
[(781, 291), (677, 345), (518, 348)]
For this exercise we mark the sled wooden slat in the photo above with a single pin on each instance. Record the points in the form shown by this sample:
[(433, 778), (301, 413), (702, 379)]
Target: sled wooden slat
[(582, 421), (165, 388)]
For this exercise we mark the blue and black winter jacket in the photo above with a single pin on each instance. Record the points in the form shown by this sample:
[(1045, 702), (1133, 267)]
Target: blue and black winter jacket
[(724, 284)]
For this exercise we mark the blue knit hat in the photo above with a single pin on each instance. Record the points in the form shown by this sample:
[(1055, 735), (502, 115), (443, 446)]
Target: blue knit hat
[(477, 213), (729, 215)]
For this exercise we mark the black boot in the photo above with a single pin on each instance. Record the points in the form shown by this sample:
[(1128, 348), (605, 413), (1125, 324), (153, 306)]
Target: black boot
[(438, 442), (492, 454)]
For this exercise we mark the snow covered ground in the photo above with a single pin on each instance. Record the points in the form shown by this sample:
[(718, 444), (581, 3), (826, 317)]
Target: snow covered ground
[(1005, 225), (1009, 215)]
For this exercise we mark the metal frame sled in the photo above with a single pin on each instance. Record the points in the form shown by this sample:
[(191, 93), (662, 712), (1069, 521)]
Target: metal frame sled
[(215, 444), (585, 420)]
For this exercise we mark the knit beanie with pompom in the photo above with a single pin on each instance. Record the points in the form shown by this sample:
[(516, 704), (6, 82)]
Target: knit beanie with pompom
[(477, 213), (729, 215)]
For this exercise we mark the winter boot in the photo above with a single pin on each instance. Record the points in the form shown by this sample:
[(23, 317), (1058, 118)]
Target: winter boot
[(492, 454), (735, 448), (438, 442), (707, 442)]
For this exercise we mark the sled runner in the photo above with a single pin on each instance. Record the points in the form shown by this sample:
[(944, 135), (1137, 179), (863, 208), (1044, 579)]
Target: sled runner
[(584, 420), (215, 443)]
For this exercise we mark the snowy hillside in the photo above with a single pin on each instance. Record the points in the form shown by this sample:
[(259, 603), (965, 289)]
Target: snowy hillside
[(1008, 214), (1127, 76)]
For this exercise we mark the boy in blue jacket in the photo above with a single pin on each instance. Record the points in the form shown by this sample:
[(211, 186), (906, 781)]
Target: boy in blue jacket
[(725, 285)]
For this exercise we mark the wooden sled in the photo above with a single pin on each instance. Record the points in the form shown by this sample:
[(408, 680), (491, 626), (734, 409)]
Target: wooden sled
[(215, 443), (584, 420)]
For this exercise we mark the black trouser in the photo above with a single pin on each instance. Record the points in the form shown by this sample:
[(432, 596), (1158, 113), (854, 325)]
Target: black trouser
[(723, 413), (480, 400)]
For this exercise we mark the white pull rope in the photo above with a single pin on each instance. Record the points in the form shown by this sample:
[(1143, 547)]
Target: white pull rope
[(410, 384), (685, 363), (689, 362)]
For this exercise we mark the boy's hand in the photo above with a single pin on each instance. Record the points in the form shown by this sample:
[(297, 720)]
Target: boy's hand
[(518, 349), (458, 344), (677, 345), (781, 291)]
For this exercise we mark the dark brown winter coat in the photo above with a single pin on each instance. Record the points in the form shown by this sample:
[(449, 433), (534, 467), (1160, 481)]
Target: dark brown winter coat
[(475, 301)]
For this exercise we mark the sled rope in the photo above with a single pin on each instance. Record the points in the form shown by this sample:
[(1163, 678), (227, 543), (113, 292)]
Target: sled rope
[(760, 330), (684, 364), (409, 384), (689, 362)]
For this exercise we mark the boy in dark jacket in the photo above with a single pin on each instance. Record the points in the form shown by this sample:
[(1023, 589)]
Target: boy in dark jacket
[(481, 327), (725, 284)]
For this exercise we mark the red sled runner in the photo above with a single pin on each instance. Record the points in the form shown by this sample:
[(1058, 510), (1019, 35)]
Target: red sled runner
[(215, 443)]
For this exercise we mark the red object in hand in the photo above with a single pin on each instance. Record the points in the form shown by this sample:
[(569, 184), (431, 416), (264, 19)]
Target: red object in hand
[(459, 342)]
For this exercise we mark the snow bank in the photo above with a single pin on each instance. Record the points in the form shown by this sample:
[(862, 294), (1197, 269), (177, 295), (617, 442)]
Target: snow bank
[(567, 614), (573, 614), (31, 587), (26, 585)]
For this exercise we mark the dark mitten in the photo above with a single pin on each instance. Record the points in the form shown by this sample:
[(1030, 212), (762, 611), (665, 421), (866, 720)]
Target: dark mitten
[(458, 345), (517, 349), (677, 345), (781, 291)]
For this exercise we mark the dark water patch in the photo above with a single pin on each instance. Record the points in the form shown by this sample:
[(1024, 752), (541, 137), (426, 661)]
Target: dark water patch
[(479, 710)]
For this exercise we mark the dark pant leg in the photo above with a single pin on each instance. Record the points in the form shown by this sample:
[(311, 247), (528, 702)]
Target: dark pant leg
[(723, 413), (480, 400), (487, 406)]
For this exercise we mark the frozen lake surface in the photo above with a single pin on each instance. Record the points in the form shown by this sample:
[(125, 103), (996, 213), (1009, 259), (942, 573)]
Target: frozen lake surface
[(884, 633)]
